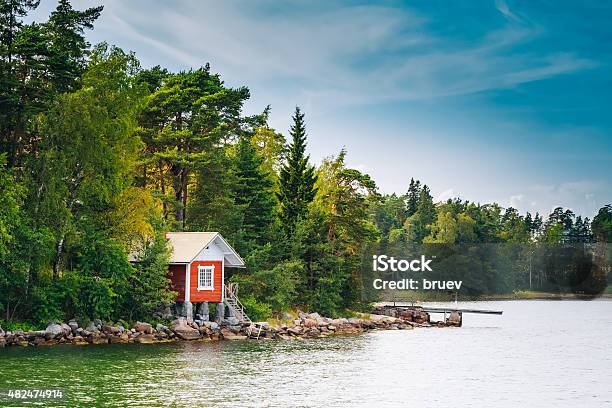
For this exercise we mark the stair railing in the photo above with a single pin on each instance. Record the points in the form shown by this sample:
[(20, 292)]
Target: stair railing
[(231, 296)]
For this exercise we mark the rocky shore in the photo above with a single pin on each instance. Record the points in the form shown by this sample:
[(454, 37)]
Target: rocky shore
[(303, 326)]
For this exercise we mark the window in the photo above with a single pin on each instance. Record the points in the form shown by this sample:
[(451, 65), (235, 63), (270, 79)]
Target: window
[(205, 277)]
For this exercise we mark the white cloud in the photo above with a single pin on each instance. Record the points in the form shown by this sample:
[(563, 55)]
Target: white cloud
[(445, 195), (331, 56), (516, 200)]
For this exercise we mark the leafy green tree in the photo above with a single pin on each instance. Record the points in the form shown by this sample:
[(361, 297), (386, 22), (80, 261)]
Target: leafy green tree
[(90, 149), (297, 177)]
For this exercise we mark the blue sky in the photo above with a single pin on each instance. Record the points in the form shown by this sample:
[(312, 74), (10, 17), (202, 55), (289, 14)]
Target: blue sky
[(486, 100)]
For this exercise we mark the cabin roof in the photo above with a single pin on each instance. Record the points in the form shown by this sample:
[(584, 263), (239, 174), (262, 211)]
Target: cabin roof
[(187, 245)]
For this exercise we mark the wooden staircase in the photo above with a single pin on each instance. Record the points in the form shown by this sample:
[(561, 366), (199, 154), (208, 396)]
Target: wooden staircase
[(237, 310), (233, 303)]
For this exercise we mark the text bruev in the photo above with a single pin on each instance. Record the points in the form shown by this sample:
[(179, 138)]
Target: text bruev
[(384, 263)]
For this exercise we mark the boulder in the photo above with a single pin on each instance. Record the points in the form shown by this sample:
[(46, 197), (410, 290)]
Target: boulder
[(310, 323), (167, 313), (230, 335), (233, 321), (185, 331), (32, 336), (295, 330), (110, 329), (74, 326), (54, 330), (212, 325), (314, 316), (91, 327), (98, 323), (97, 338), (339, 322), (161, 327), (161, 335), (78, 340), (66, 328), (146, 338), (313, 332), (454, 319), (143, 327)]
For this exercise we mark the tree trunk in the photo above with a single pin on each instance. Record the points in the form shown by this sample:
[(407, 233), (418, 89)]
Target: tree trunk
[(177, 172), (56, 262), (162, 187)]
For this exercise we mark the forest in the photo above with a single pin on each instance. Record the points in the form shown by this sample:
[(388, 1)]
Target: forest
[(99, 157)]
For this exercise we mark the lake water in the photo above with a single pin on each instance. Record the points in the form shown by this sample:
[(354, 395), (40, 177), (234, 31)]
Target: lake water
[(538, 354)]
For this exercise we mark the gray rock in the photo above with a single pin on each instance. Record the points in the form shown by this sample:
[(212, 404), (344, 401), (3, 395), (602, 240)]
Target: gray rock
[(66, 328), (186, 332), (143, 327), (339, 322), (314, 316), (212, 325), (233, 321), (98, 323), (161, 327), (74, 326), (54, 330), (167, 313), (302, 315), (91, 327)]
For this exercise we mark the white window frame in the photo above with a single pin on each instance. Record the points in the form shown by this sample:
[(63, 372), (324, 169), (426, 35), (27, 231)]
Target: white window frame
[(202, 271)]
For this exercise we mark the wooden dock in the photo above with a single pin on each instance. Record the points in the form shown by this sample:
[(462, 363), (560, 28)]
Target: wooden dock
[(413, 312)]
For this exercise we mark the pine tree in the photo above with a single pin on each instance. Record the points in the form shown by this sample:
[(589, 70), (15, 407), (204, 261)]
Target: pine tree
[(418, 225), (297, 177), (253, 193), (412, 200)]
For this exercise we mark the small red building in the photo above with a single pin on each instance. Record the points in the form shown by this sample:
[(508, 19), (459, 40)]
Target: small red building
[(197, 265)]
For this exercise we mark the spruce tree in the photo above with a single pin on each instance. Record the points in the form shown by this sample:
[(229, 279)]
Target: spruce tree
[(253, 193), (412, 197), (297, 177)]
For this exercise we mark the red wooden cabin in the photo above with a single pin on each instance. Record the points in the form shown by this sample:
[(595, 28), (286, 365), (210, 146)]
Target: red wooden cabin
[(197, 265)]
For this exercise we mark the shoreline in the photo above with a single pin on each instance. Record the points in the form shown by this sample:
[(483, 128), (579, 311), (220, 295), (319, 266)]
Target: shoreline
[(305, 326)]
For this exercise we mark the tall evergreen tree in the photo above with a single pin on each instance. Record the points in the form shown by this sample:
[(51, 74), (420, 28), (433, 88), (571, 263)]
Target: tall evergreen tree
[(37, 61), (418, 225), (253, 193), (297, 177), (412, 197)]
